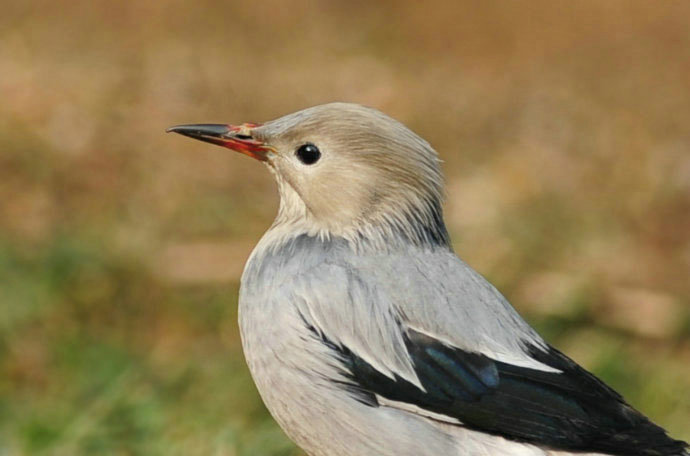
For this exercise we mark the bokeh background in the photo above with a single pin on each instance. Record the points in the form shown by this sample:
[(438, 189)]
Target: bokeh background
[(564, 127)]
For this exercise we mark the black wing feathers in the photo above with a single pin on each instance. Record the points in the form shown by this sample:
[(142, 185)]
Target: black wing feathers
[(569, 410)]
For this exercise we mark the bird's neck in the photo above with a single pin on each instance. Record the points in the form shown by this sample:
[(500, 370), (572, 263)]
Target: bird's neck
[(386, 237), (415, 224)]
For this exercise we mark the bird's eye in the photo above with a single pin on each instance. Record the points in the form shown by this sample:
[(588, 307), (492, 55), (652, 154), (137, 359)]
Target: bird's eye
[(308, 153)]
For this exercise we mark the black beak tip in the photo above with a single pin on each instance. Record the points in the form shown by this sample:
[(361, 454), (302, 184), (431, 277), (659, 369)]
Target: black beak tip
[(179, 129), (183, 129), (198, 130)]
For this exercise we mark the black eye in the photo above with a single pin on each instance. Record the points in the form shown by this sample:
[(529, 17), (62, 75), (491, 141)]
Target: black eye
[(308, 154)]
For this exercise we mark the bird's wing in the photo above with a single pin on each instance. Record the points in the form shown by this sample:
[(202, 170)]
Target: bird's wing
[(393, 355)]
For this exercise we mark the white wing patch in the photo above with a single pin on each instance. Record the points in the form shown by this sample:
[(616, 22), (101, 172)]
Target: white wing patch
[(411, 408), (516, 359)]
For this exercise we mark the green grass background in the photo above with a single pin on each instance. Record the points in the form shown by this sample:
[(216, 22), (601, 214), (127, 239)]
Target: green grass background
[(564, 131)]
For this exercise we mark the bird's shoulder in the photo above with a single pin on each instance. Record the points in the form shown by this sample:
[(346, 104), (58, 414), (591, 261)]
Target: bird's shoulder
[(428, 289)]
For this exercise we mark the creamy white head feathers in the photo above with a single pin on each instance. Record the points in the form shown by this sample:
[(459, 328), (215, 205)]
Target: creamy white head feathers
[(374, 179)]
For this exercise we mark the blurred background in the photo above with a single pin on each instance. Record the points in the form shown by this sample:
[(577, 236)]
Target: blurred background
[(564, 127)]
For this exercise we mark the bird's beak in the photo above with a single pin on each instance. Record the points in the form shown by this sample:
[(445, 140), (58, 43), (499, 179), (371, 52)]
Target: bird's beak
[(236, 137)]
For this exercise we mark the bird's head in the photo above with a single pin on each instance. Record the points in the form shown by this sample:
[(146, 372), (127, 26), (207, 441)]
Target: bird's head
[(344, 170)]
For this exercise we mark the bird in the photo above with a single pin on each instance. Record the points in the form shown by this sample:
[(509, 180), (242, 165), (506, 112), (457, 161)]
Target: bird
[(366, 334)]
